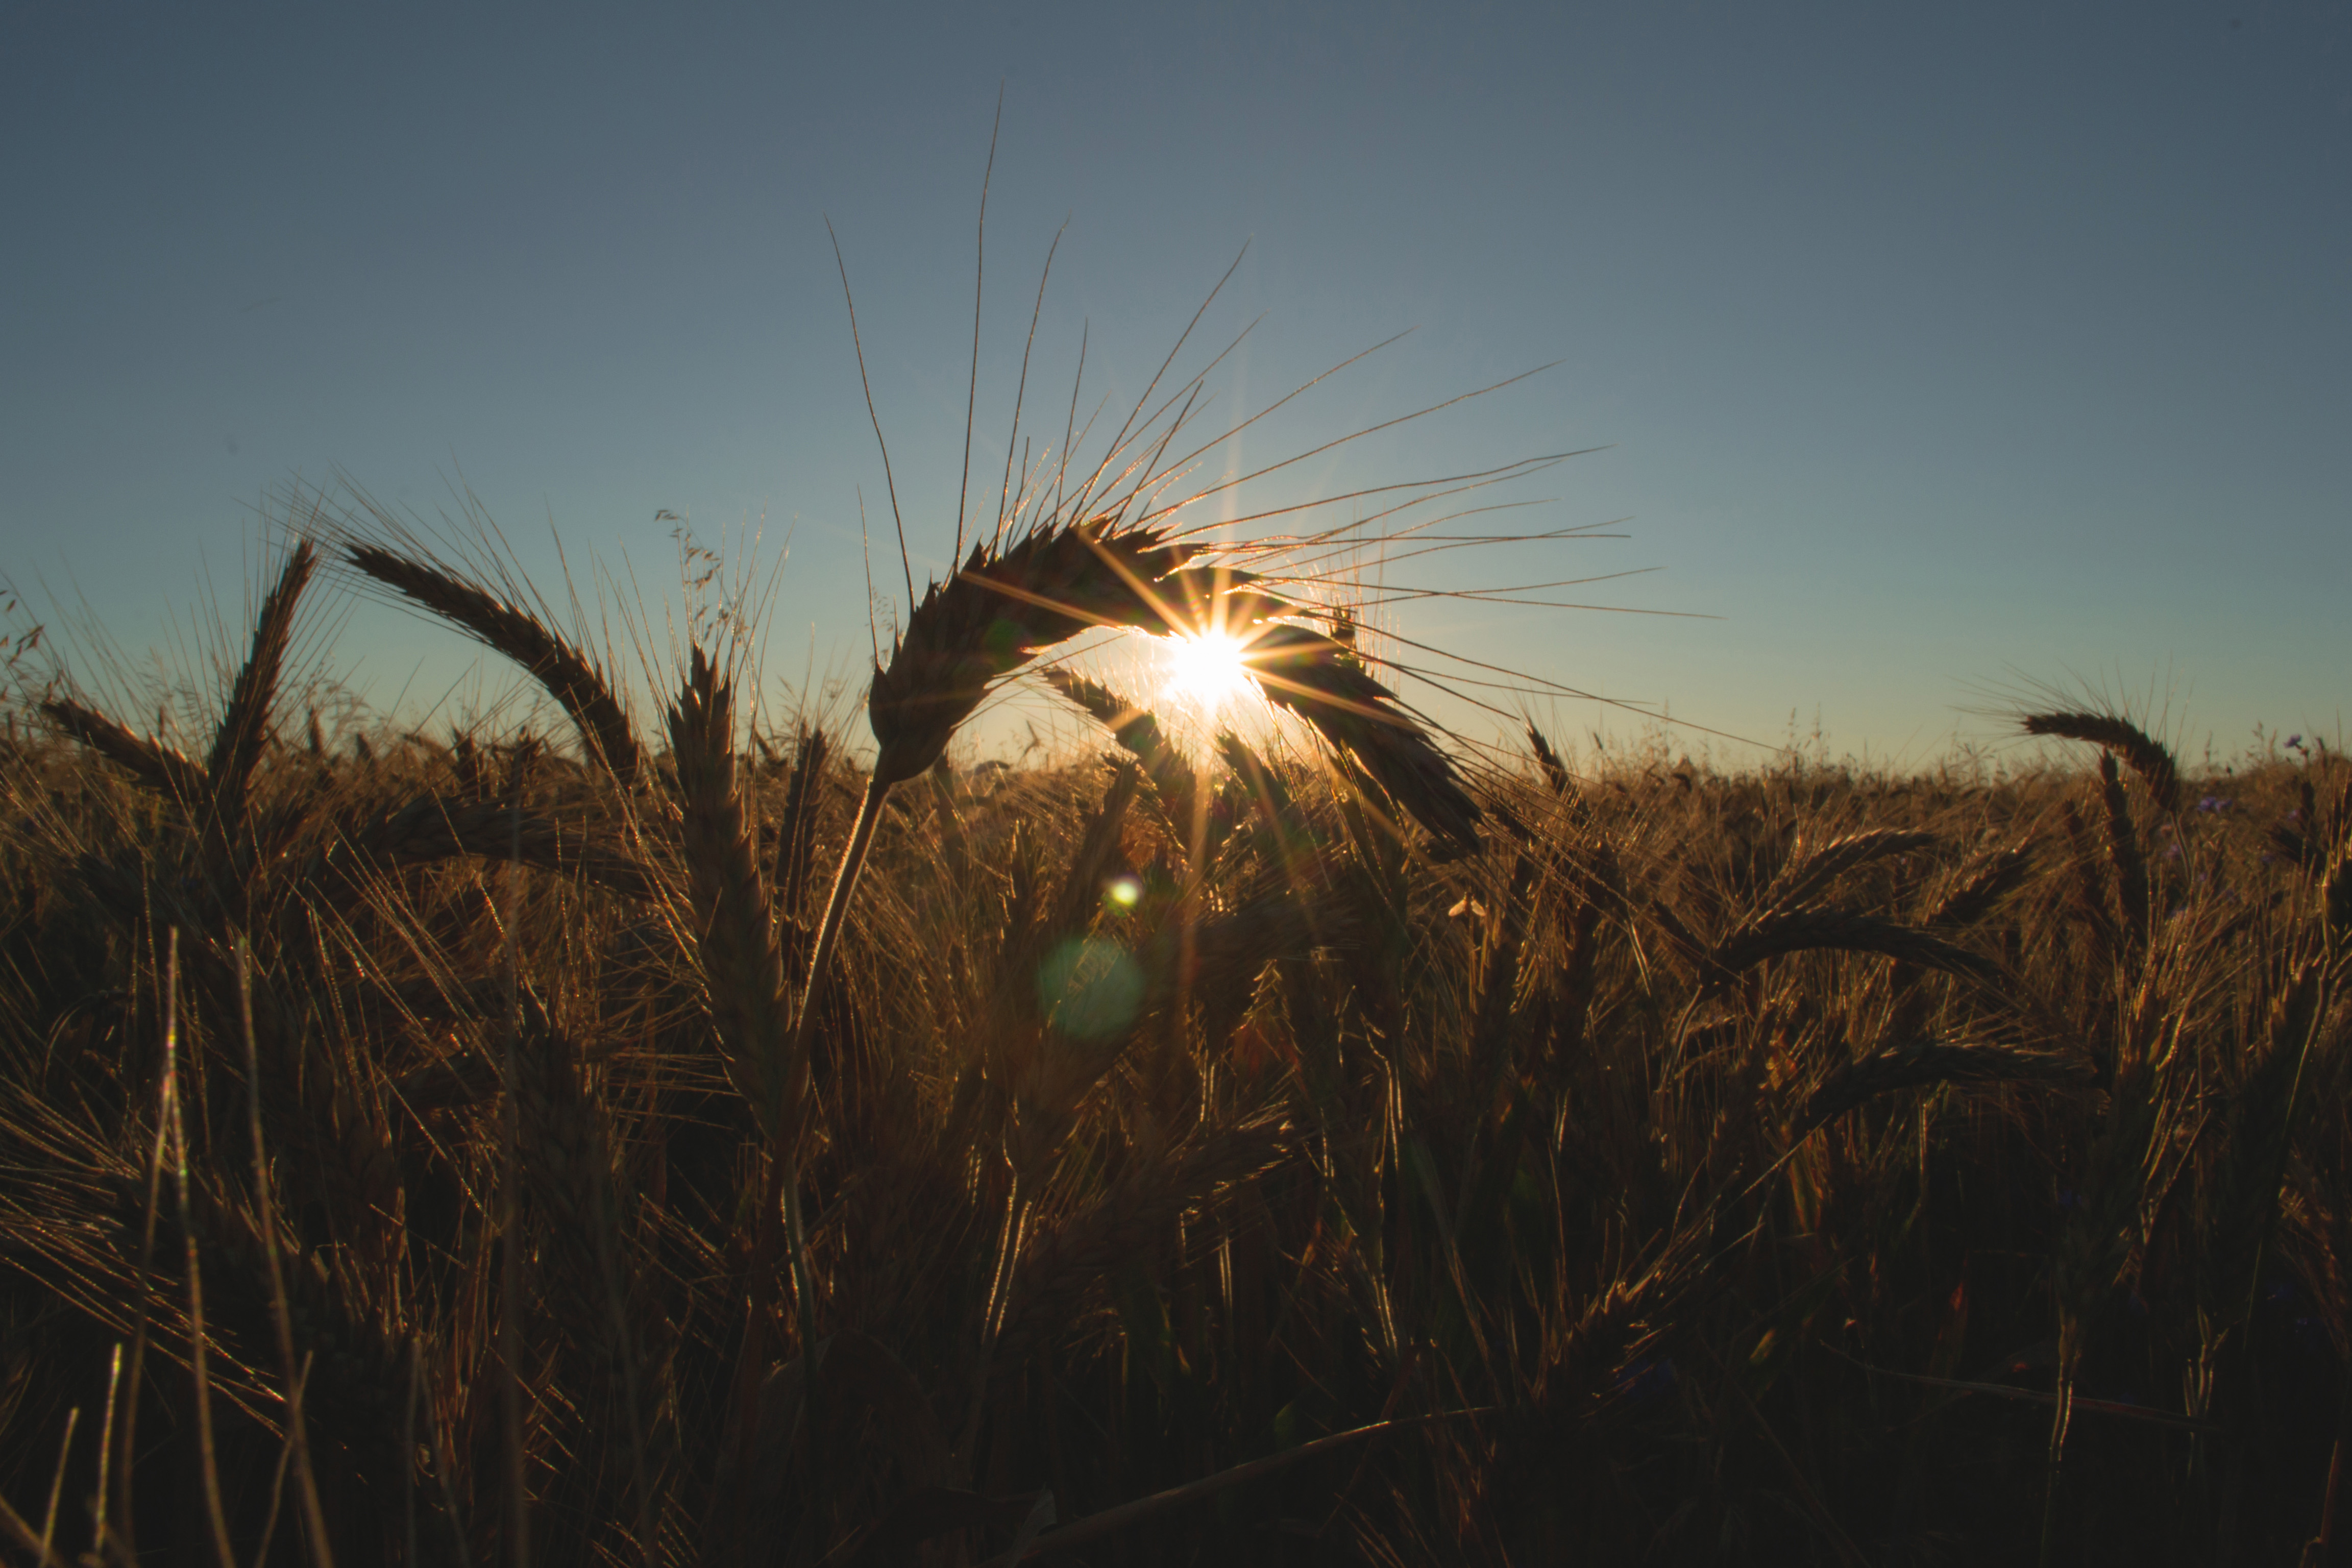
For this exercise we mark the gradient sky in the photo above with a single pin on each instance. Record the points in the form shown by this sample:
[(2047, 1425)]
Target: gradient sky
[(1933, 349)]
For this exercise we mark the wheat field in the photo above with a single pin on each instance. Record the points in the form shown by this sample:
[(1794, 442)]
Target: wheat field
[(690, 1138)]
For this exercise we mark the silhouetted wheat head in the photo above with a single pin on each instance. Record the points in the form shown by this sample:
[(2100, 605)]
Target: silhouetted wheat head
[(1002, 607)]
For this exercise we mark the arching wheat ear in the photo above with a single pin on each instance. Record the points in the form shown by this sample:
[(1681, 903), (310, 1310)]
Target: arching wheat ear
[(1007, 605), (568, 672), (1000, 611), (2149, 757)]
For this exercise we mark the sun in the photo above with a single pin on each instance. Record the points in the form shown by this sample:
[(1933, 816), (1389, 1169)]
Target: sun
[(1207, 670)]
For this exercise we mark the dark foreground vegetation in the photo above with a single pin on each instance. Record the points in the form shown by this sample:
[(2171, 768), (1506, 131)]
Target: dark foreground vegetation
[(1652, 1166)]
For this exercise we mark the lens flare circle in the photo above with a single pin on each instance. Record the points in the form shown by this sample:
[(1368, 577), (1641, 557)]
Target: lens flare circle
[(1089, 988)]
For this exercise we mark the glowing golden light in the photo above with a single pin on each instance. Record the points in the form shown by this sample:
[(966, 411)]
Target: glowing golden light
[(1207, 671)]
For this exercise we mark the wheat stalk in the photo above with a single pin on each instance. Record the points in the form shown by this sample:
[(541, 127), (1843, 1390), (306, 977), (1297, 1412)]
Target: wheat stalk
[(1172, 778), (298, 1439)]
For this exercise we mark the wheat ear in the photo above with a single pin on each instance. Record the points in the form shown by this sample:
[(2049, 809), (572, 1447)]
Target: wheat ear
[(2262, 1117), (569, 675), (1976, 895), (1001, 610), (744, 967), (797, 836), (734, 932), (1806, 929), (1555, 770), (154, 764), (2090, 891), (1321, 680), (2122, 848), (245, 723), (1006, 606), (1923, 1062), (2148, 757), (1136, 729), (1812, 872)]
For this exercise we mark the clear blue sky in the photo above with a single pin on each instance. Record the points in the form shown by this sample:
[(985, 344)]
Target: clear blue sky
[(1932, 347)]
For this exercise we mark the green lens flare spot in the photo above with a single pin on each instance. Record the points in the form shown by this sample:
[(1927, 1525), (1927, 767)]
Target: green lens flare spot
[(1089, 989), (1003, 640), (1123, 893)]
